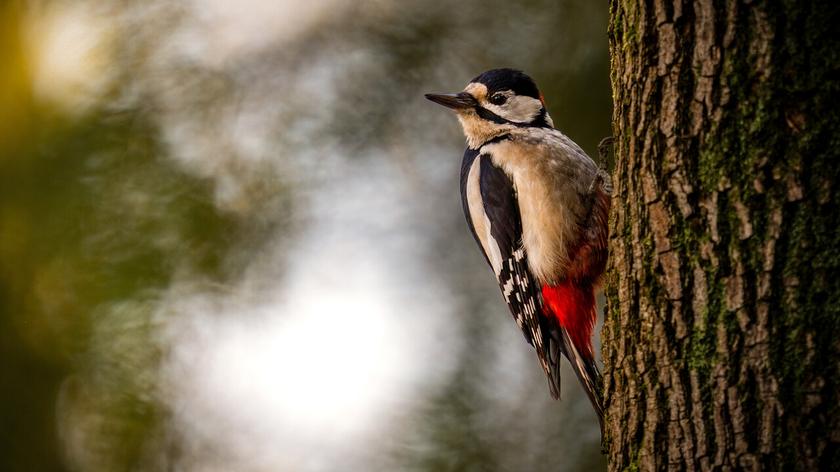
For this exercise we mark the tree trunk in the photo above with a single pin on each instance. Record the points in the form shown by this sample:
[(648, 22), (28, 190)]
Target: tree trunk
[(721, 345)]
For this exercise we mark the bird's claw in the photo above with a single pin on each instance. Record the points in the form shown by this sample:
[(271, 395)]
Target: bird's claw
[(604, 149)]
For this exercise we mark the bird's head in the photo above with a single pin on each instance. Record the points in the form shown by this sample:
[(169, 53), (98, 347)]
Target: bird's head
[(494, 103)]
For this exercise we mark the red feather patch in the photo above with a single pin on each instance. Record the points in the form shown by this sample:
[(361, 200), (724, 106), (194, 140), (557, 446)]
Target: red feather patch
[(573, 306)]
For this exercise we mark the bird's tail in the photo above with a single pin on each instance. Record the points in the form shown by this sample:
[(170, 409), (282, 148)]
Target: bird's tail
[(587, 373), (573, 306)]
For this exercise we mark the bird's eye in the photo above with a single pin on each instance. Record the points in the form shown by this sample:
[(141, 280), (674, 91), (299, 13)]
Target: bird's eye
[(498, 99)]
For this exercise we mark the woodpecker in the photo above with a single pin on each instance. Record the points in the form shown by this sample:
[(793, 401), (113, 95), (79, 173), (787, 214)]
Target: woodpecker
[(537, 206)]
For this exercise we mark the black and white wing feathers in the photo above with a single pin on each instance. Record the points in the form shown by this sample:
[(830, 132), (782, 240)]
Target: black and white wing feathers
[(489, 196)]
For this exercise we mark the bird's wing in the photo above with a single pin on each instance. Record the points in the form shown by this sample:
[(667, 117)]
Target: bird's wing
[(470, 156), (492, 212)]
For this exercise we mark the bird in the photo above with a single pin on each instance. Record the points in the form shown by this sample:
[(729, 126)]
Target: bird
[(538, 206)]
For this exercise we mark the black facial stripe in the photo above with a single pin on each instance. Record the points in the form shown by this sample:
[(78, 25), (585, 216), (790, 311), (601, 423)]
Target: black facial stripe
[(497, 139), (485, 114), (488, 115), (540, 121)]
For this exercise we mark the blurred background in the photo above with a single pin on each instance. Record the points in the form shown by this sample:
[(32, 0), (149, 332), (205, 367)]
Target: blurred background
[(231, 237)]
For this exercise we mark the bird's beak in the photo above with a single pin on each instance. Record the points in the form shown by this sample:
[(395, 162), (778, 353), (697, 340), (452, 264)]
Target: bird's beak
[(455, 101)]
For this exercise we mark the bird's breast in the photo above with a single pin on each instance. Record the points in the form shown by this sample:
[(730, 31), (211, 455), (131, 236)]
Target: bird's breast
[(549, 200)]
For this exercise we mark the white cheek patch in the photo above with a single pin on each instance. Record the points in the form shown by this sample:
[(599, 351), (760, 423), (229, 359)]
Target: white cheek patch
[(519, 109)]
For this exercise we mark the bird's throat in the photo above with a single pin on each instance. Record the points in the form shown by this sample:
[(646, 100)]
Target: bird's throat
[(478, 131)]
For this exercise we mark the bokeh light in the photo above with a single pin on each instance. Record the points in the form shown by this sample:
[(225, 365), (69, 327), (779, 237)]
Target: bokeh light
[(231, 237)]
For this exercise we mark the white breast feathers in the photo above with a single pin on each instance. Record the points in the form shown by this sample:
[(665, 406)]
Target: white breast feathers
[(551, 176)]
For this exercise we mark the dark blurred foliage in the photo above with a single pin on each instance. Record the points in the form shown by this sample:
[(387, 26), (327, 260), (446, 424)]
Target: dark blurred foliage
[(105, 206)]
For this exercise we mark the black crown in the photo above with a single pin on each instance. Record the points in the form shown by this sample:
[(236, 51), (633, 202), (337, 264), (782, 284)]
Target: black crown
[(508, 79)]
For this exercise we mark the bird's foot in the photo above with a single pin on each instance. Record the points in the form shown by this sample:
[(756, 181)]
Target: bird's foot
[(604, 151)]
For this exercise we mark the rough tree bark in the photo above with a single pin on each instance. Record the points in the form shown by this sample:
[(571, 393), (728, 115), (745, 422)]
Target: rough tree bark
[(722, 336)]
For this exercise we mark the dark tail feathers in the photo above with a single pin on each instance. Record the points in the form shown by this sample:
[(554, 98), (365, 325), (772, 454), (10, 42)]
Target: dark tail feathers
[(587, 373)]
